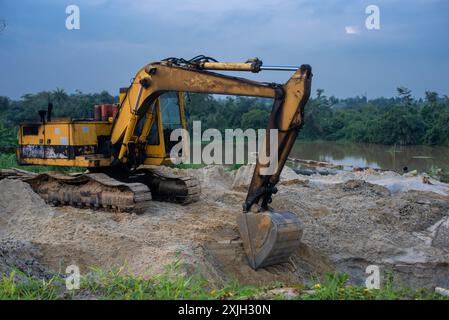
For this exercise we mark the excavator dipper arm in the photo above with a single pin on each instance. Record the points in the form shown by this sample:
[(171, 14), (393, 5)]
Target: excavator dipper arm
[(269, 237)]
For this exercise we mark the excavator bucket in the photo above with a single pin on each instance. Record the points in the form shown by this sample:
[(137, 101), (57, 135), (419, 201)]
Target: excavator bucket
[(269, 237)]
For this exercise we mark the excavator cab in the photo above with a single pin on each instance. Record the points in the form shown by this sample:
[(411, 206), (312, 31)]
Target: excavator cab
[(167, 114)]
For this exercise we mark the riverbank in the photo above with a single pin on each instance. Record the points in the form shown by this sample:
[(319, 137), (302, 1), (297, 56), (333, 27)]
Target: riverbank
[(385, 157)]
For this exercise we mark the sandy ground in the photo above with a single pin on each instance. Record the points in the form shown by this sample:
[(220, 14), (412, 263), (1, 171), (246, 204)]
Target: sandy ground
[(351, 220)]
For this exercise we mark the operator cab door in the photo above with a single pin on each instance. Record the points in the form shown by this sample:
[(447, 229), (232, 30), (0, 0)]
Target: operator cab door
[(170, 108), (168, 116)]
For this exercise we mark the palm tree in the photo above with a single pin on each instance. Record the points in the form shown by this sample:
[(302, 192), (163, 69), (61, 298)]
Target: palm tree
[(59, 95), (406, 95)]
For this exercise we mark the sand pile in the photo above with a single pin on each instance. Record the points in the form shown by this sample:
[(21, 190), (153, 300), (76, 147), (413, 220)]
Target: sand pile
[(350, 222)]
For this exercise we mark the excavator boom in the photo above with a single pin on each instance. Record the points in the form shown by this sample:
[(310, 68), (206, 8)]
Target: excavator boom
[(269, 237)]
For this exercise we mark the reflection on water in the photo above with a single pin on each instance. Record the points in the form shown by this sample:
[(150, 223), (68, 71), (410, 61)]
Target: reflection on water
[(421, 158)]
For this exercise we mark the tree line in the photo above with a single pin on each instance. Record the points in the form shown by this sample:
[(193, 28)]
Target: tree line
[(402, 120)]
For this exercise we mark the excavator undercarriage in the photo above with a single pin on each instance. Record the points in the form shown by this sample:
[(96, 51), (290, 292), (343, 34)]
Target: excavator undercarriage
[(128, 193), (124, 147)]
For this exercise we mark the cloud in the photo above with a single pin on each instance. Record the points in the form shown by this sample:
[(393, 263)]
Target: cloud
[(352, 30), (119, 36)]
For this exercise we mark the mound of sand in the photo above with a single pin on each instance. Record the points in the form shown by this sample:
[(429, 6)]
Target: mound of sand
[(350, 223)]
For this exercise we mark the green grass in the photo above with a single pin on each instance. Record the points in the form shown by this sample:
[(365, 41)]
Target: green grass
[(28, 288), (9, 160), (335, 287), (445, 178), (233, 167), (441, 174), (188, 166), (118, 283), (199, 166)]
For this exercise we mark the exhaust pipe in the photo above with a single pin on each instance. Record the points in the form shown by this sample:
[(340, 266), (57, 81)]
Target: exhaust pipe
[(49, 110)]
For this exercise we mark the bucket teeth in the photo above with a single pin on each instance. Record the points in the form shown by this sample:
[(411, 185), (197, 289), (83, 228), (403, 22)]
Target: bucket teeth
[(269, 237)]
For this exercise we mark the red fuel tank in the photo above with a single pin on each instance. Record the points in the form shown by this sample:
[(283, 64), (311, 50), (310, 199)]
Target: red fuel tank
[(97, 112), (106, 111)]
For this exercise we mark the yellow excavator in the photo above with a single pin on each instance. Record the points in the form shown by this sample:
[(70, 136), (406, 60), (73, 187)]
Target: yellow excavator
[(124, 150)]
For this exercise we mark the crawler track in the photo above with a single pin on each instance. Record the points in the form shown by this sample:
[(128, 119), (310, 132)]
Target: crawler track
[(129, 193), (91, 190), (168, 187)]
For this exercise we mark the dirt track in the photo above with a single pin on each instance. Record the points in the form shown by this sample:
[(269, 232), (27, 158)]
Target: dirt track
[(349, 224)]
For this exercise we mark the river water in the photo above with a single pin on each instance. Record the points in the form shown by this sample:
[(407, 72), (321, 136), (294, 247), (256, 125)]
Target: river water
[(349, 155), (421, 158)]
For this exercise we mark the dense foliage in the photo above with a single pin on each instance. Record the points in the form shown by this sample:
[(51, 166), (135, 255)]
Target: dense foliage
[(400, 120)]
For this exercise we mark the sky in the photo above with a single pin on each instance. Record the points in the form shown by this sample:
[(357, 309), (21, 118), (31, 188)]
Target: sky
[(116, 38)]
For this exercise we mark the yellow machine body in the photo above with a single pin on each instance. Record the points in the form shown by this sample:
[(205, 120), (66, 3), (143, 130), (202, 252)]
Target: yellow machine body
[(86, 143), (63, 142)]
